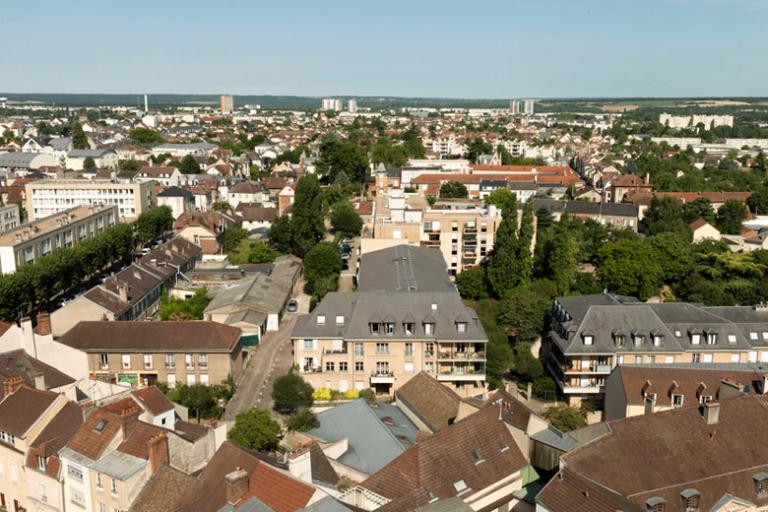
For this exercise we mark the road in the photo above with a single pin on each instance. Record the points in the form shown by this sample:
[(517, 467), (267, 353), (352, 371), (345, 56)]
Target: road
[(269, 361)]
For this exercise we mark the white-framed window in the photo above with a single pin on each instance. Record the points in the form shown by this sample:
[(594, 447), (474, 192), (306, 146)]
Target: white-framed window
[(126, 361), (171, 380), (382, 348), (707, 358), (460, 486), (765, 335), (461, 326), (190, 379), (588, 339), (619, 359), (75, 472), (753, 336), (429, 328), (320, 319), (734, 358), (657, 340), (202, 360), (309, 344), (113, 486), (188, 361), (339, 319), (41, 463), (148, 361), (99, 481), (677, 400), (103, 508), (695, 339), (409, 367), (103, 361), (389, 328), (204, 379), (731, 338), (77, 495), (359, 349)]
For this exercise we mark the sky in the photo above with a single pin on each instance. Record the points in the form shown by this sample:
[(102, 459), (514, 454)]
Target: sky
[(424, 48)]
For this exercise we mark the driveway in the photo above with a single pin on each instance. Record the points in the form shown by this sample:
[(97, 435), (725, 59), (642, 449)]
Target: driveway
[(270, 360)]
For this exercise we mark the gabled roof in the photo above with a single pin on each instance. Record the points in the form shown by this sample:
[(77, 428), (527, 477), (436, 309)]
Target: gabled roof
[(54, 437), (153, 400), (18, 362), (162, 491), (23, 408), (96, 433), (433, 403), (404, 268)]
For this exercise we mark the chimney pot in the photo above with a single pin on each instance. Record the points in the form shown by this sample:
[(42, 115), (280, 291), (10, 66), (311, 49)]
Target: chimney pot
[(236, 485), (43, 323), (711, 412)]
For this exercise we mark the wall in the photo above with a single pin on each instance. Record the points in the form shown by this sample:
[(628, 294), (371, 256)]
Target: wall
[(80, 309), (190, 457)]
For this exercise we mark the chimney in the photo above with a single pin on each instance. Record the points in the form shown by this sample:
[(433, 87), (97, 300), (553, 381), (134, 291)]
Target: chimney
[(236, 484), (129, 416), (711, 412), (40, 381), (157, 447), (11, 384), (43, 323), (300, 464), (122, 290)]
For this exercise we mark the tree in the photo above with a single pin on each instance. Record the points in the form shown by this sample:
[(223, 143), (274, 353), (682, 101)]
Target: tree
[(256, 430), (222, 206), (307, 226), (303, 420), (665, 215), (232, 238), (189, 165), (477, 147), (557, 256), (629, 267), (89, 164), (154, 223), (453, 189), (143, 135), (129, 165), (674, 255), (199, 399), (500, 197), (261, 252), (544, 218), (758, 201), (524, 241), (79, 140), (730, 216), (280, 234), (290, 392), (322, 262), (524, 314), (389, 155), (472, 283), (526, 367), (343, 156), (345, 219), (700, 207), (565, 418), (502, 263), (172, 308)]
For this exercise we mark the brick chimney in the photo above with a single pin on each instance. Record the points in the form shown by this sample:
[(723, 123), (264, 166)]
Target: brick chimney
[(43, 323), (711, 412), (157, 447), (129, 416), (237, 485), (12, 383)]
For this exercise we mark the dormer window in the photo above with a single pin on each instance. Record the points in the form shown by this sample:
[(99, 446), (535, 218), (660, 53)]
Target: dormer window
[(695, 339), (461, 326), (761, 484), (731, 338), (41, 463), (657, 339), (339, 319), (374, 327), (588, 339), (409, 328), (389, 328), (429, 328), (753, 336), (655, 504), (677, 400), (691, 499), (320, 319), (711, 338), (476, 458), (638, 339), (619, 340)]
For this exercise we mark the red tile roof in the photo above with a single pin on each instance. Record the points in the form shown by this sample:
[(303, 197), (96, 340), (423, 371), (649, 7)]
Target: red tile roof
[(153, 400)]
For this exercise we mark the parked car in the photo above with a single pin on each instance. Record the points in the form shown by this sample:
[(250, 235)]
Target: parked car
[(292, 306)]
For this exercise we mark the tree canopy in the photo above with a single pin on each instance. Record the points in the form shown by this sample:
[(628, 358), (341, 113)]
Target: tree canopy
[(256, 430), (345, 219), (290, 392), (154, 222), (453, 189), (307, 221)]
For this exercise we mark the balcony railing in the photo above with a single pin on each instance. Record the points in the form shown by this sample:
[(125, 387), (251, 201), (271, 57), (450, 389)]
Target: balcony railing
[(309, 369), (330, 351), (170, 366), (202, 366), (447, 354), (382, 373)]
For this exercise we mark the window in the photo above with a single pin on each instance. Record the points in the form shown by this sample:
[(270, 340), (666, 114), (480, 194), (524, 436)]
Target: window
[(382, 368), (476, 458), (339, 319), (126, 359), (696, 358), (461, 326), (100, 426), (639, 339), (678, 334), (429, 328), (374, 327), (382, 348), (309, 344), (753, 336), (657, 340), (695, 339), (359, 349), (75, 472), (77, 496), (104, 361), (409, 349), (359, 366), (431, 498), (409, 367), (704, 399), (655, 504), (409, 328), (41, 463), (619, 339), (169, 361), (429, 367), (43, 493), (204, 379), (389, 328), (761, 484), (588, 339), (113, 487), (102, 507), (691, 499), (731, 338), (711, 338), (188, 362), (202, 360), (320, 319), (147, 361), (330, 366), (677, 400), (99, 482), (765, 335), (343, 366), (191, 379), (171, 380), (460, 486)]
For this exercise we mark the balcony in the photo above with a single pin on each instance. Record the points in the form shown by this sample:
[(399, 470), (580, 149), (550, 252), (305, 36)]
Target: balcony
[(170, 366), (470, 228), (202, 366), (333, 352), (447, 355), (593, 367), (309, 369), (382, 377)]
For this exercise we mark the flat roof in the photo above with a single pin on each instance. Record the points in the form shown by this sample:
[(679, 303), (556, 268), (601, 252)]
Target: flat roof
[(41, 227)]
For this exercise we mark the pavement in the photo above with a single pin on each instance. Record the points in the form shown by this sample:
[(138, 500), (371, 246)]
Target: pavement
[(270, 360)]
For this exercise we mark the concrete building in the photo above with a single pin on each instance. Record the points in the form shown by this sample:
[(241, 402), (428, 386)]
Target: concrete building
[(48, 197), (145, 353), (593, 334), (352, 106), (30, 241), (692, 121), (205, 149), (103, 158), (331, 104), (9, 217), (178, 199), (23, 163), (227, 104), (528, 107), (514, 107)]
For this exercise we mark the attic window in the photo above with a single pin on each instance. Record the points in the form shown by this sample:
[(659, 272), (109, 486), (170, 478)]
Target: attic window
[(691, 498), (711, 338), (434, 306), (588, 339), (461, 326), (731, 338), (476, 457), (374, 326), (765, 335), (655, 504), (503, 447), (389, 328), (657, 339), (638, 339), (677, 400), (41, 461), (339, 319), (678, 334), (619, 340), (460, 486), (431, 497), (409, 328), (761, 484), (100, 426), (695, 339), (753, 336), (429, 328), (320, 319)]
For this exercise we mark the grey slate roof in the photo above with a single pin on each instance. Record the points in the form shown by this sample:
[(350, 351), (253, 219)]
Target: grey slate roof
[(551, 436), (360, 308), (177, 192), (371, 445), (404, 268), (588, 208), (17, 159), (93, 153), (253, 504)]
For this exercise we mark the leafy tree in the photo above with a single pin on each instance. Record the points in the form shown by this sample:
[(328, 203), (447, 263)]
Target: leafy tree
[(565, 418), (758, 202), (256, 430), (760, 163), (526, 367), (500, 197), (290, 392), (172, 308), (390, 155), (232, 238), (343, 156), (524, 241), (453, 189), (89, 164), (477, 147), (502, 263), (320, 263), (79, 140), (345, 219), (544, 218), (524, 313), (557, 254), (129, 165), (154, 223), (222, 206), (665, 215), (730, 216), (700, 207), (674, 254), (199, 399), (629, 267), (303, 420), (472, 283), (143, 135), (280, 234), (261, 252), (307, 226), (189, 165)]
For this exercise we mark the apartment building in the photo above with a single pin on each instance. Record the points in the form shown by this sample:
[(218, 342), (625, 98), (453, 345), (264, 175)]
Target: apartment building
[(9, 217), (144, 353), (692, 121), (48, 197), (592, 334), (30, 241), (462, 230), (616, 215), (400, 322)]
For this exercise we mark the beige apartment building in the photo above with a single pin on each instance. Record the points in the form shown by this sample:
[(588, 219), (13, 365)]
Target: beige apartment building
[(593, 334), (48, 197), (462, 229), (145, 353), (30, 241), (9, 217)]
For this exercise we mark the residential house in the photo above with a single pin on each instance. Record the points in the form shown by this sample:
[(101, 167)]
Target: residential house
[(245, 192), (625, 185), (166, 176), (23, 163), (179, 200), (257, 218), (205, 229), (616, 215), (430, 405), (703, 230), (103, 158), (145, 353)]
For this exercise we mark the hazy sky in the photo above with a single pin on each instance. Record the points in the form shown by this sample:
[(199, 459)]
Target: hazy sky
[(446, 48)]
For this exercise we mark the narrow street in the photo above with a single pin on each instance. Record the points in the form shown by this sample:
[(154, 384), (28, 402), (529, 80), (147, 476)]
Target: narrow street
[(269, 361)]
